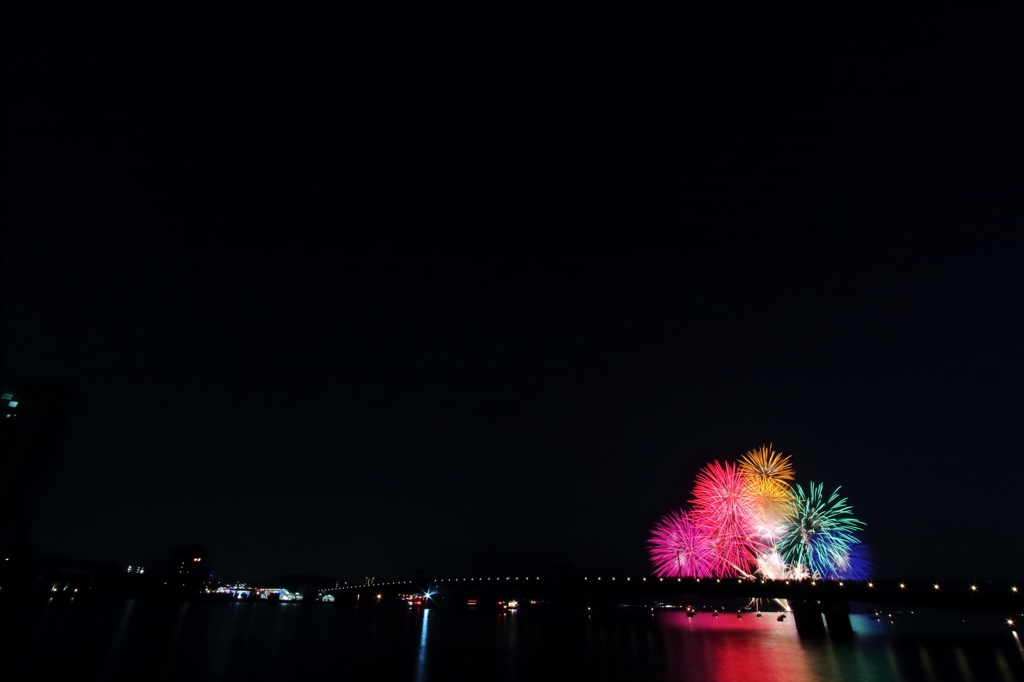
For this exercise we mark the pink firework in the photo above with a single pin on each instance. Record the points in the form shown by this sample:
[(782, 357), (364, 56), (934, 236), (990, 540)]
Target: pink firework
[(724, 508), (681, 548)]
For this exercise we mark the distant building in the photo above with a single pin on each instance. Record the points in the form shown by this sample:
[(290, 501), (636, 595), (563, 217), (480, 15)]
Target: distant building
[(31, 418)]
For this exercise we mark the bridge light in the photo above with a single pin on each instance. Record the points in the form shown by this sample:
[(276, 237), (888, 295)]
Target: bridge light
[(661, 580), (1014, 589), (936, 587), (974, 588), (1009, 621), (840, 584), (902, 586), (871, 584)]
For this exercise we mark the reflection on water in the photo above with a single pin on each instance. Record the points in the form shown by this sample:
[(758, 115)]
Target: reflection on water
[(115, 647), (727, 649), (421, 661), (252, 641), (734, 649)]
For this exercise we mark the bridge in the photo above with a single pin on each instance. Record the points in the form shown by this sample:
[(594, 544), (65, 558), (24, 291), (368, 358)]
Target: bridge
[(817, 606)]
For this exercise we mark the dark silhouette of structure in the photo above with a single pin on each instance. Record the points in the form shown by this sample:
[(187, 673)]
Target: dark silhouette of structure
[(818, 607), (32, 416)]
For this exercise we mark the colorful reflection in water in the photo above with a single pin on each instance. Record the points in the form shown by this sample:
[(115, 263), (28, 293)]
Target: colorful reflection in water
[(253, 641), (931, 648), (729, 648)]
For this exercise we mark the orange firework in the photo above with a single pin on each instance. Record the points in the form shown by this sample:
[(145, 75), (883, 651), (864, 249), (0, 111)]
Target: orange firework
[(766, 474)]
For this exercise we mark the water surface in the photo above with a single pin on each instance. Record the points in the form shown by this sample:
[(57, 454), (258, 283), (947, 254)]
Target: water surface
[(136, 640)]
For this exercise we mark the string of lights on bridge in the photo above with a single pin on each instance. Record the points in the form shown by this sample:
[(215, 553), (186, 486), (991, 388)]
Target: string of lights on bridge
[(813, 583)]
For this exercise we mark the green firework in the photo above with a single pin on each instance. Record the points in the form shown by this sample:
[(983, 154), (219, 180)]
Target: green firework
[(819, 533)]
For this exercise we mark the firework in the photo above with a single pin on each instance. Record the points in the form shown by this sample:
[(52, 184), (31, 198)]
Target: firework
[(856, 564), (723, 506), (766, 467), (746, 518), (680, 548), (819, 533), (766, 474), (771, 565)]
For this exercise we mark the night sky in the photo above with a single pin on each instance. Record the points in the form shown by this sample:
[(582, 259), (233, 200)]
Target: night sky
[(368, 291)]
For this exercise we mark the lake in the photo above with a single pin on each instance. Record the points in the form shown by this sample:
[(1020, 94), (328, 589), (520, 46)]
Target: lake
[(149, 640)]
